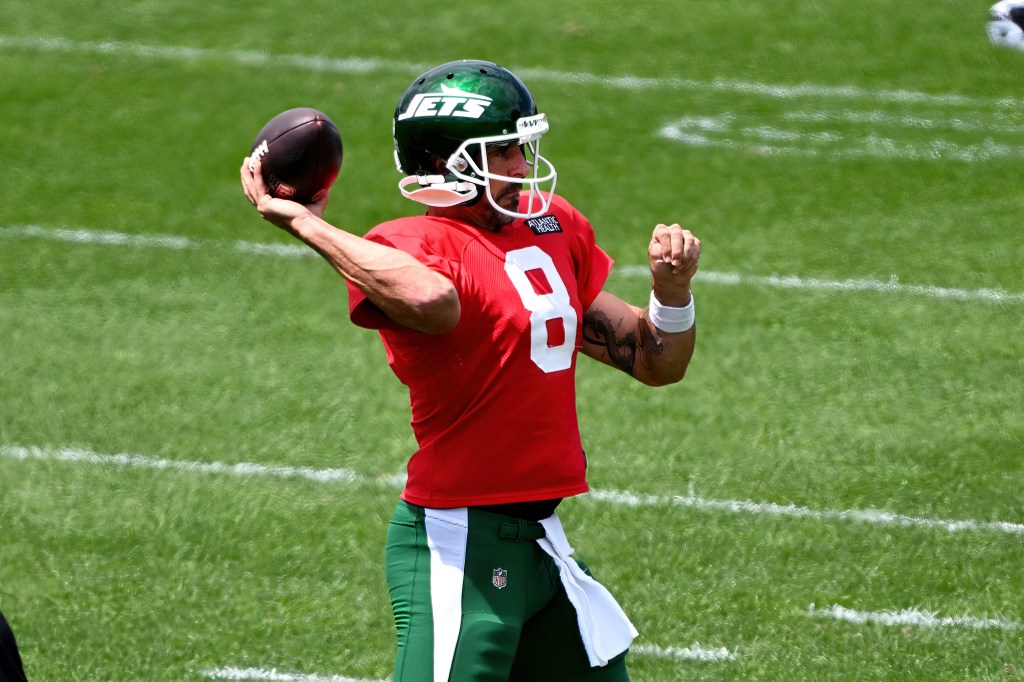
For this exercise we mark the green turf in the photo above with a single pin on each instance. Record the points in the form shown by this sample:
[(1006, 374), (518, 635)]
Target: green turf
[(896, 161)]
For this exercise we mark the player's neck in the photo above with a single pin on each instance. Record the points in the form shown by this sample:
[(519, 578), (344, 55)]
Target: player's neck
[(480, 215)]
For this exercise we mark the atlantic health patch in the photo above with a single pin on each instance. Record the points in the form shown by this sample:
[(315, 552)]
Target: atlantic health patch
[(546, 224)]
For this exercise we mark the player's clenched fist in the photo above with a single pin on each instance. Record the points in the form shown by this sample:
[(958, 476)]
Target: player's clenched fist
[(674, 254)]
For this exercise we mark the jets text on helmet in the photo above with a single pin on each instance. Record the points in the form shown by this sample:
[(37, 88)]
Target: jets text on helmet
[(451, 102)]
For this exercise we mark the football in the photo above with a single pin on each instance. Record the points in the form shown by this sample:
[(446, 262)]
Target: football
[(301, 151), (1006, 24)]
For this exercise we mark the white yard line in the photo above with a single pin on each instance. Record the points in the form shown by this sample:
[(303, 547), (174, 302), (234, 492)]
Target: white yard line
[(912, 617), (615, 497), (154, 241), (883, 138), (691, 653), (695, 653), (180, 243), (869, 516), (144, 462), (275, 676), (833, 144), (363, 65), (892, 285)]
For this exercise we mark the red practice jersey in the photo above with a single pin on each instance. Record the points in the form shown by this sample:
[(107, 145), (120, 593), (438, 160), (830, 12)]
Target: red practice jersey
[(494, 399)]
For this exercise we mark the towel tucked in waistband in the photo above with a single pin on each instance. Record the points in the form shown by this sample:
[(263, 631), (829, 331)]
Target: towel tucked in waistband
[(604, 627)]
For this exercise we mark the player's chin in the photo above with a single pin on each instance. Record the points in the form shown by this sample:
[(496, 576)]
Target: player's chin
[(509, 199), (498, 219)]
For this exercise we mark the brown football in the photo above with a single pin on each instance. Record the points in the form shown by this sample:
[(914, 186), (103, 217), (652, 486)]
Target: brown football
[(301, 151)]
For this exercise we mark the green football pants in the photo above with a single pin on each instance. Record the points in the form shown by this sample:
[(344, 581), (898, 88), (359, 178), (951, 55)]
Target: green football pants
[(480, 601)]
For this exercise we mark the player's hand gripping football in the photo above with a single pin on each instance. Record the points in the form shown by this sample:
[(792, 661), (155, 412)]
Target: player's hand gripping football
[(280, 212), (674, 254)]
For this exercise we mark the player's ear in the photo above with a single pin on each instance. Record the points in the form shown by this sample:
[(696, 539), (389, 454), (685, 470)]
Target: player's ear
[(439, 165)]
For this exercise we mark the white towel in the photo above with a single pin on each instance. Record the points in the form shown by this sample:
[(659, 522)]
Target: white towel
[(604, 627)]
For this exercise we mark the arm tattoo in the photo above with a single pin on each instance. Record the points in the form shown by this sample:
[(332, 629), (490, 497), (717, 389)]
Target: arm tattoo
[(626, 348)]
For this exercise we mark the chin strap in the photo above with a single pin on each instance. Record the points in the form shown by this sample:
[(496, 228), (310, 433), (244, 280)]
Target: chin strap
[(437, 190)]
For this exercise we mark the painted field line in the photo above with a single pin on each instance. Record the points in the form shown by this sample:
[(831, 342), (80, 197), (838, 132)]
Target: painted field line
[(152, 241), (361, 65), (690, 653), (695, 653), (869, 516), (143, 462), (893, 285), (912, 617), (766, 140), (615, 497), (275, 676)]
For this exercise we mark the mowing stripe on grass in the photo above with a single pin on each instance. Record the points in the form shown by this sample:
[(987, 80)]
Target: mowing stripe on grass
[(893, 285), (362, 65), (912, 617), (615, 497)]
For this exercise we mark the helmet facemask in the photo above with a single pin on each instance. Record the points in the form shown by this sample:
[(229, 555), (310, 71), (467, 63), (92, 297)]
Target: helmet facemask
[(468, 168)]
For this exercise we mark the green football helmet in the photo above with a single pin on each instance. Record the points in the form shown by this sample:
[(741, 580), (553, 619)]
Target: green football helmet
[(453, 112)]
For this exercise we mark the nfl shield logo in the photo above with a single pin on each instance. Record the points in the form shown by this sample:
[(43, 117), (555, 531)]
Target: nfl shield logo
[(499, 578)]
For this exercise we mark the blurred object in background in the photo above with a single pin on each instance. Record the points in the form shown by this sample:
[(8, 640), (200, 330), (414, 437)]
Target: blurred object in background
[(1006, 24)]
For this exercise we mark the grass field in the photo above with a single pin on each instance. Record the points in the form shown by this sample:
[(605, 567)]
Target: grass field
[(199, 453)]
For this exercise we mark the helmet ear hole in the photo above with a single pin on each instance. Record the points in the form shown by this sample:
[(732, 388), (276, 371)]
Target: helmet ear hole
[(438, 164)]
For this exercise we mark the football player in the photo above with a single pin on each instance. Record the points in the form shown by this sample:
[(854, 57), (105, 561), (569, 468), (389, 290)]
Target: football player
[(484, 303)]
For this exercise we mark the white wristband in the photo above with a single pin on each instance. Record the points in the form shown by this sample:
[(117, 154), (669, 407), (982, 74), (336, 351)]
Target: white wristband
[(670, 319)]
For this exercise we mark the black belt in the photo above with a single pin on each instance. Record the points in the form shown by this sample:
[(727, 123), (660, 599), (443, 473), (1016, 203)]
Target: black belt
[(521, 530)]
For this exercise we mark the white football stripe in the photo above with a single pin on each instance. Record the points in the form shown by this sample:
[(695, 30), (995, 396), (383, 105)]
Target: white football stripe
[(695, 653), (870, 146), (142, 462), (892, 285), (871, 516), (100, 237), (274, 676), (361, 65), (690, 653), (912, 617), (616, 497)]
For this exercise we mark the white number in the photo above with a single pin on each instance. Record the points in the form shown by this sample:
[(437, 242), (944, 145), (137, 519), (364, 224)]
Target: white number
[(543, 307)]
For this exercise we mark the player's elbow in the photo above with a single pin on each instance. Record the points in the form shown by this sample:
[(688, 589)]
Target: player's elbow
[(667, 369), (664, 378)]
